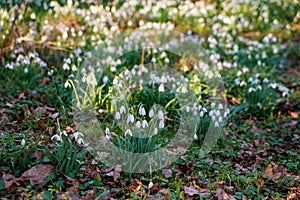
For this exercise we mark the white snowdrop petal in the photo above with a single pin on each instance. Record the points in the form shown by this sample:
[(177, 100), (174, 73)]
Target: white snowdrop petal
[(161, 124), (195, 137), (151, 113), (160, 115), (128, 132)]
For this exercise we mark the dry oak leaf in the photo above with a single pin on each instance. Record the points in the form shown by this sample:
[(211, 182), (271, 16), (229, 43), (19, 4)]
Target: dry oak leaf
[(274, 172), (37, 174)]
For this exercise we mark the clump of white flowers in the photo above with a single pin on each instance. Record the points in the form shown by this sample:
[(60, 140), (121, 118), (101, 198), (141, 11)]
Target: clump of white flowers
[(62, 136)]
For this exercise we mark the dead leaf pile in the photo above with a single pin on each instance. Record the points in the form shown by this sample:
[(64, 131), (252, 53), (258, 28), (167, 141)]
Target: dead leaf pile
[(35, 175), (274, 171)]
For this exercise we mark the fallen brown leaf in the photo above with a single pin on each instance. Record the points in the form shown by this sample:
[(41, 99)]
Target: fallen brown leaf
[(260, 181), (222, 195), (41, 124), (37, 174), (116, 172), (191, 190), (167, 173), (294, 115), (291, 196), (55, 115), (8, 180), (155, 187), (138, 182), (274, 171), (74, 189)]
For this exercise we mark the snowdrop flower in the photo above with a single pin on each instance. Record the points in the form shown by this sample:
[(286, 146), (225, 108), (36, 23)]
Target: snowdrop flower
[(153, 60), (213, 118), (201, 114), (217, 112), (245, 70), (88, 54), (71, 76), (161, 124), (65, 35), (225, 114), (284, 94), (67, 84), (195, 137), (122, 109), (155, 131), (220, 119), (68, 60), (150, 185), (220, 107), (107, 131), (80, 141), (196, 79), (117, 116), (144, 124), (115, 81), (160, 115), (105, 79), (256, 81), (167, 60), (187, 109), (33, 16), (273, 85), (9, 66), (213, 104), (130, 118), (77, 51), (161, 88), (66, 66), (151, 113), (243, 83), (128, 132), (216, 124), (74, 68), (26, 70), (58, 137), (138, 124), (251, 89), (258, 87), (237, 81), (142, 111), (163, 79), (77, 135), (265, 80), (184, 89), (22, 142), (163, 55), (91, 79)]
